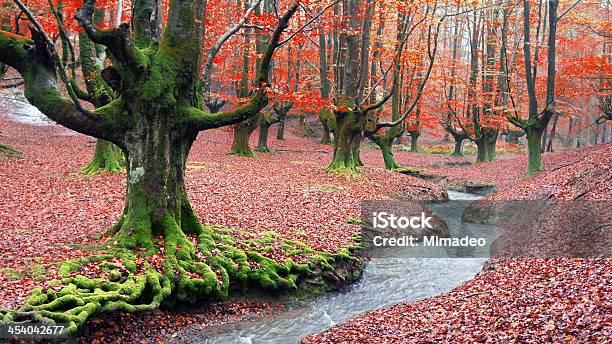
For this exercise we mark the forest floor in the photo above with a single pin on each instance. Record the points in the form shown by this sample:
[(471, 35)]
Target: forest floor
[(49, 213), (520, 299)]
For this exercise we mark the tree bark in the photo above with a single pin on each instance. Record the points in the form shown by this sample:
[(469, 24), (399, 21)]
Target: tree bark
[(267, 120), (107, 158), (350, 126), (414, 138), (242, 135), (534, 140), (458, 151)]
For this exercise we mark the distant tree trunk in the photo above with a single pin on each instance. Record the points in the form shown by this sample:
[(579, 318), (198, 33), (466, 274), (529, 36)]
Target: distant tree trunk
[(536, 125), (244, 130), (214, 106), (414, 137), (458, 151), (481, 145), (347, 140), (262, 145), (491, 145), (280, 129), (326, 116), (107, 157), (553, 132), (326, 133), (242, 134), (267, 120), (534, 139)]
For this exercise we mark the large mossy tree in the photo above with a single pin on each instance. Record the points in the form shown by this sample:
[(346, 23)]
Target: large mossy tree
[(154, 118), (158, 112)]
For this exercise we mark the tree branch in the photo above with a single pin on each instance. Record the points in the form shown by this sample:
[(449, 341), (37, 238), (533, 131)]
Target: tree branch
[(432, 55), (40, 32), (200, 120), (116, 40), (34, 63), (206, 72)]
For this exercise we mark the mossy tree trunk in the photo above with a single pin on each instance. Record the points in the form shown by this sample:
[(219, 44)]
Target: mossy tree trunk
[(481, 147), (537, 122), (491, 143), (350, 126), (267, 120), (107, 157), (385, 142), (242, 136), (326, 134), (534, 140), (328, 121)]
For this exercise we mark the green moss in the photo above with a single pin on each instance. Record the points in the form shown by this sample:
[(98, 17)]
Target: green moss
[(35, 271), (354, 221), (208, 267)]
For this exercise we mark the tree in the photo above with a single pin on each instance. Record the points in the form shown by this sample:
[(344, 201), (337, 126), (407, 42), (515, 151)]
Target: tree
[(537, 121), (107, 157), (155, 119)]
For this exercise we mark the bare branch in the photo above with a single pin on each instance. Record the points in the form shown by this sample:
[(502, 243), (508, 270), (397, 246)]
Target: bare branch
[(206, 72)]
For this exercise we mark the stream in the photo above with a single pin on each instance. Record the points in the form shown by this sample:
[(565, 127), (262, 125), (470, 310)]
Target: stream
[(385, 282)]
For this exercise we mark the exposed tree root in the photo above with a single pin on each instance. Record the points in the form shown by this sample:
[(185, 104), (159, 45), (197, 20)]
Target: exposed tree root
[(206, 266)]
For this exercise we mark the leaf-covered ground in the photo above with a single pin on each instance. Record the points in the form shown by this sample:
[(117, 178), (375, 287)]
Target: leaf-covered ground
[(47, 212), (513, 300), (518, 301)]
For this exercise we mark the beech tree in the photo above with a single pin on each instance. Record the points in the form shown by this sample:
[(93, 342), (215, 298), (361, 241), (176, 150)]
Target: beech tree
[(353, 101), (537, 121), (154, 119)]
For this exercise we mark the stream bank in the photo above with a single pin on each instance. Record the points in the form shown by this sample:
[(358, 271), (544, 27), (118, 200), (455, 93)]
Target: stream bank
[(386, 281)]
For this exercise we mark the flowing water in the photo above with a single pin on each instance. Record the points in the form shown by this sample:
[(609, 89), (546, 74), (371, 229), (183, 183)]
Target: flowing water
[(385, 282)]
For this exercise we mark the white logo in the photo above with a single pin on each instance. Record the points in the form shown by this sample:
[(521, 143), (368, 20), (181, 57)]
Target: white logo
[(384, 220)]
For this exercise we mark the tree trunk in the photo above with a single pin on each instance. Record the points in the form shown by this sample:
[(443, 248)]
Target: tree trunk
[(264, 128), (414, 137), (534, 140), (156, 201), (280, 130), (386, 146), (481, 146), (107, 158), (326, 135), (491, 142), (458, 152), (326, 117), (242, 134), (350, 125)]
